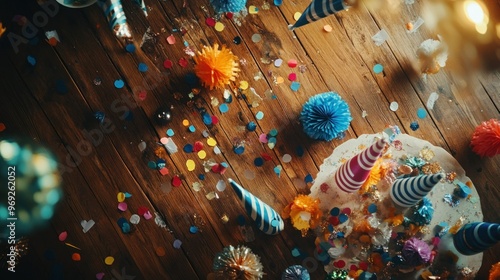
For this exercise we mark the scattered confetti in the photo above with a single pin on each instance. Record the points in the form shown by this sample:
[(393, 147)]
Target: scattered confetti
[(210, 22), (122, 206), (414, 126), (99, 276), (177, 244), (219, 26), (223, 108), (183, 62), (394, 106), (109, 260), (292, 77), (249, 174), (421, 113), (292, 63), (327, 28), (135, 219), (87, 225), (380, 37), (253, 10), (278, 62), (130, 48), (170, 132), (76, 257), (378, 68), (167, 64), (202, 154), (278, 169), (142, 67), (256, 38), (160, 251), (191, 128), (142, 146), (258, 161), (237, 40), (259, 115), (119, 83), (176, 181), (63, 235), (171, 40), (309, 178), (295, 86), (286, 158), (221, 186), (211, 142), (297, 15), (432, 100), (190, 165)]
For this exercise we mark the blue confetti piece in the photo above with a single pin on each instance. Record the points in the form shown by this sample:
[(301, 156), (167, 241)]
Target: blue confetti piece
[(224, 164), (201, 176), (295, 252), (335, 211), (278, 2), (299, 151), (343, 218), (170, 132), (251, 126), (308, 178), (207, 119), (100, 116), (188, 148), (372, 208), (125, 228), (240, 220), (228, 99), (223, 108), (142, 67), (121, 221), (421, 113), (258, 161), (259, 115), (414, 125), (193, 229), (273, 132), (277, 170), (119, 83), (31, 60), (295, 86), (239, 149), (152, 164), (378, 68), (130, 48), (61, 87), (161, 163), (177, 244), (127, 195), (272, 140), (191, 128)]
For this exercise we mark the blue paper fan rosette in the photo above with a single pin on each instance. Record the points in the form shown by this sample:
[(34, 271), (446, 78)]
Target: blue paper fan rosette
[(228, 6), (325, 116)]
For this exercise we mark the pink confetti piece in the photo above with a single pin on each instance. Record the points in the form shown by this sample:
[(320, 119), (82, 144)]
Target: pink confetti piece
[(171, 39), (63, 235)]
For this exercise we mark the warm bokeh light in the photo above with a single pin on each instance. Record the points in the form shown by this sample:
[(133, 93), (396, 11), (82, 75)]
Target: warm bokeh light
[(474, 11)]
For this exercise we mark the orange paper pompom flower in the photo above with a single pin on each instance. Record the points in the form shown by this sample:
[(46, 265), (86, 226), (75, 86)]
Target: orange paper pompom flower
[(495, 272), (304, 213), (216, 68), (486, 138)]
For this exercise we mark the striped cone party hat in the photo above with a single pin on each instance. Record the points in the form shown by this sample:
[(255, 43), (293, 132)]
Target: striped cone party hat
[(319, 9), (407, 192), (473, 238), (266, 218), (352, 174)]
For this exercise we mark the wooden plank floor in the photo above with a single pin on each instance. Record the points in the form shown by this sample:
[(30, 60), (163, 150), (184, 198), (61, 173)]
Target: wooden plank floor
[(98, 162)]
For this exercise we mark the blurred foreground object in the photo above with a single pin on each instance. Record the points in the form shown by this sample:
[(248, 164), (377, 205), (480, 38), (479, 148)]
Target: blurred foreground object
[(471, 29), (31, 185), (237, 263)]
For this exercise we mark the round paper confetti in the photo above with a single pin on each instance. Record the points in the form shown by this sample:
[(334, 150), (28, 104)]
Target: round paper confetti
[(160, 251), (119, 83), (142, 67), (394, 106), (219, 26), (176, 181), (292, 63), (378, 68), (292, 77), (120, 197), (211, 142), (335, 211), (259, 115), (191, 128), (253, 10), (295, 86), (185, 122), (421, 113), (170, 132), (258, 161), (256, 38), (279, 80), (243, 85), (167, 64), (135, 219), (263, 138), (188, 148), (273, 132), (327, 28), (63, 235), (183, 62), (152, 164), (122, 206), (210, 22), (278, 62), (223, 108), (130, 48), (202, 154), (286, 158), (177, 244), (190, 165), (239, 150), (249, 174), (221, 186), (372, 208), (193, 229), (76, 257), (237, 40), (297, 15), (251, 126), (109, 260)]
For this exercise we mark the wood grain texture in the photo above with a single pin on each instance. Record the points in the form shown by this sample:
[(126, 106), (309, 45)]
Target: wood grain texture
[(100, 160)]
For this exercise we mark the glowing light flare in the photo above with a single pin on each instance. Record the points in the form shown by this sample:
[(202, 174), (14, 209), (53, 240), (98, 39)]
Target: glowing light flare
[(477, 14)]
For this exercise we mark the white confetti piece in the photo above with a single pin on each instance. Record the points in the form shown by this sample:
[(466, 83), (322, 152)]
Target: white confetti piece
[(380, 37), (87, 225), (432, 99)]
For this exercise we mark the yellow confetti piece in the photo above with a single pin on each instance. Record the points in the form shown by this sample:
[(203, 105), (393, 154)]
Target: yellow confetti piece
[(219, 26), (253, 10), (327, 28), (243, 85), (202, 154), (72, 246), (211, 142), (190, 164), (297, 15), (109, 260), (120, 196), (185, 122), (280, 80)]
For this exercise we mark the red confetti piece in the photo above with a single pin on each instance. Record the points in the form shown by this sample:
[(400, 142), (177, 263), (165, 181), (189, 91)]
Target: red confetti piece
[(229, 15), (210, 22), (339, 264), (292, 77), (63, 235), (164, 171), (76, 257), (353, 267), (334, 220), (346, 211), (168, 64), (324, 187), (176, 181), (363, 265), (198, 146), (292, 63), (142, 210), (142, 95), (215, 120), (216, 168), (171, 39), (266, 157), (183, 62)]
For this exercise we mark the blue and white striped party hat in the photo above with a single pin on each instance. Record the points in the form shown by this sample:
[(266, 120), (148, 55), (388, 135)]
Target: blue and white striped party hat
[(407, 192), (319, 9), (473, 238), (113, 10), (267, 219)]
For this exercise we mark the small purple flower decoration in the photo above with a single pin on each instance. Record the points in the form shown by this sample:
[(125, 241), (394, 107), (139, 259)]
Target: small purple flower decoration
[(325, 116), (416, 252)]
